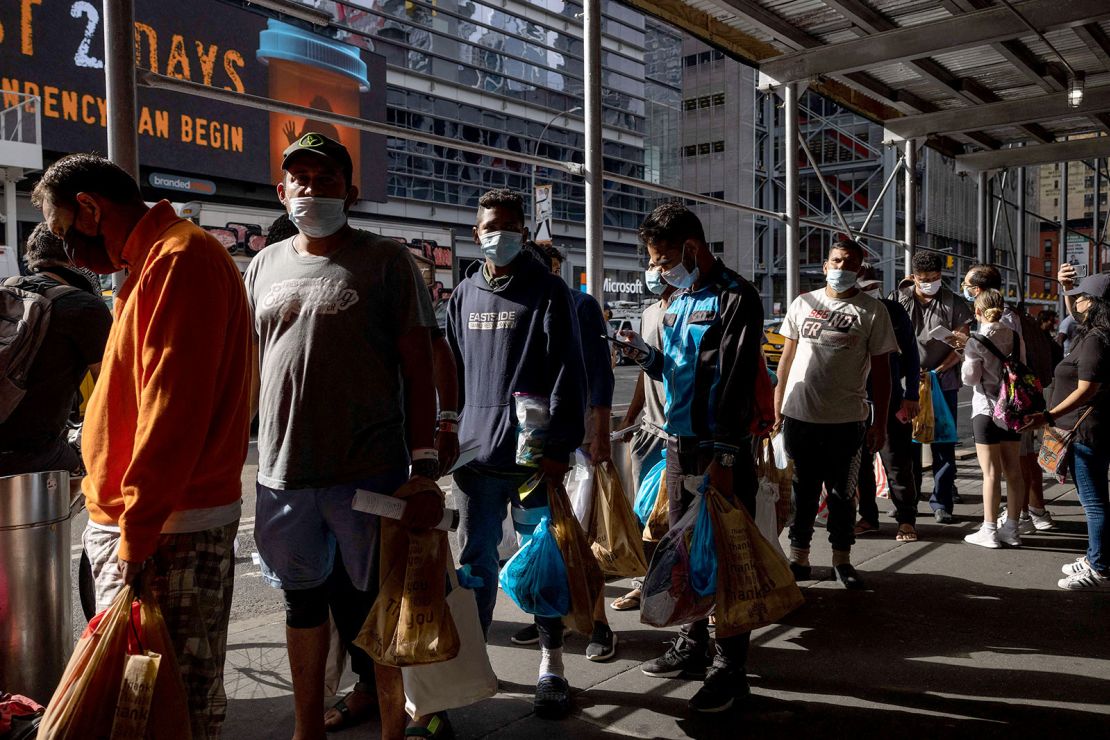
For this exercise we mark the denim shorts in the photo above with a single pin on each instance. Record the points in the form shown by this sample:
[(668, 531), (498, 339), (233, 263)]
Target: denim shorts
[(297, 531)]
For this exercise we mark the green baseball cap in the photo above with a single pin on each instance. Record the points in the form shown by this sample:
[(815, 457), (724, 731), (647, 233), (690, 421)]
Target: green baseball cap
[(321, 146)]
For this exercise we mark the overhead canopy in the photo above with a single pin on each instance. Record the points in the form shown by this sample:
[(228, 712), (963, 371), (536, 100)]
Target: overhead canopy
[(969, 76)]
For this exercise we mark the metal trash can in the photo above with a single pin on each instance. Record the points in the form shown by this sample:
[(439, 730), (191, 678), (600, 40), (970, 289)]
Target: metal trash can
[(36, 633)]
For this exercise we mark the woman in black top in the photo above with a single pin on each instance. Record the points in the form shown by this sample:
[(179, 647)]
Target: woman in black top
[(1082, 382)]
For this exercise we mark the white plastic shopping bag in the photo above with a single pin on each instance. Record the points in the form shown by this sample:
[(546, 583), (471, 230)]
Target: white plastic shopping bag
[(766, 513), (465, 679)]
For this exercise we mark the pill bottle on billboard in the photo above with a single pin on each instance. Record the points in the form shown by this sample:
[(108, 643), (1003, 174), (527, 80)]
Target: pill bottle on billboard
[(316, 72)]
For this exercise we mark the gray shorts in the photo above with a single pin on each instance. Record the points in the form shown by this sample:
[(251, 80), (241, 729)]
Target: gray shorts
[(297, 531)]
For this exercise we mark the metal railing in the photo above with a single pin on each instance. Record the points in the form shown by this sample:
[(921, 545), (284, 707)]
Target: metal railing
[(19, 118)]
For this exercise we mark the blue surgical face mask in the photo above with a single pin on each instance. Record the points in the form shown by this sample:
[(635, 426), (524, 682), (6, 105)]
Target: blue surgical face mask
[(501, 247), (967, 294), (317, 218), (654, 282), (679, 276), (841, 281)]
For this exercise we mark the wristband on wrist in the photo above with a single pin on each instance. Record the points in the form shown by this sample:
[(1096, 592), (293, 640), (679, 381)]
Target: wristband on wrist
[(448, 416), (425, 453)]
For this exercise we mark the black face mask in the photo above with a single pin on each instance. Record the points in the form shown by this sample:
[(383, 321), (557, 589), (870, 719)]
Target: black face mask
[(88, 251)]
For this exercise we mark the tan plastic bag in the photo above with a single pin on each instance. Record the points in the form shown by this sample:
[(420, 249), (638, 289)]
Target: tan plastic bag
[(924, 424), (659, 521), (614, 531), (583, 575), (410, 623), (754, 584), (87, 699), (777, 468)]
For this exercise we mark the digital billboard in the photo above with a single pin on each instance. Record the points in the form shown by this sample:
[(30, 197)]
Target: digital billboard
[(55, 49)]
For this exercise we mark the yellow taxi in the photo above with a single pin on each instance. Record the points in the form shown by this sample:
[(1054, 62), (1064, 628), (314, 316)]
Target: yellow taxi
[(772, 341)]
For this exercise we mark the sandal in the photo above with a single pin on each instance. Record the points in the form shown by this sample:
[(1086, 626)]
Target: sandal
[(629, 602), (906, 533), (438, 727), (348, 718)]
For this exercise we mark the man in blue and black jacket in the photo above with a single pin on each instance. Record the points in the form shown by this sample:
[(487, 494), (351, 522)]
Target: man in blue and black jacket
[(708, 362), (511, 327)]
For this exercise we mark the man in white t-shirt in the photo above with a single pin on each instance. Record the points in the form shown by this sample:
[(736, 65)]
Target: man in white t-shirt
[(835, 337)]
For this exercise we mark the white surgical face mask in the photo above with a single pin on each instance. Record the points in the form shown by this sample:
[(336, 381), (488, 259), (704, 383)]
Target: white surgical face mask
[(654, 282), (317, 218), (501, 247), (679, 276), (929, 288), (841, 280)]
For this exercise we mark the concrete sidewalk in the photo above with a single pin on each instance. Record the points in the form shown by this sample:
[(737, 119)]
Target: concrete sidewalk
[(948, 640)]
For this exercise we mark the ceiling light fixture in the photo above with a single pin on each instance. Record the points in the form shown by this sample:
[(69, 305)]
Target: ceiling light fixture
[(1076, 83)]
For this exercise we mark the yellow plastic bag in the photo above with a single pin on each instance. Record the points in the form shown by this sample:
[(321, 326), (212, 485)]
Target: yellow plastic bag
[(924, 424), (409, 623), (92, 699), (614, 530), (754, 584), (583, 574), (659, 521)]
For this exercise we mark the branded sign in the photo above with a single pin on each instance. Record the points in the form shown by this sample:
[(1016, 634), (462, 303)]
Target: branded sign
[(54, 49), (177, 182), (612, 286), (541, 216), (1077, 250)]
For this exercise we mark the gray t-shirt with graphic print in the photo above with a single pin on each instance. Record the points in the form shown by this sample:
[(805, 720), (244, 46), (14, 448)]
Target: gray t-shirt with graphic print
[(331, 404)]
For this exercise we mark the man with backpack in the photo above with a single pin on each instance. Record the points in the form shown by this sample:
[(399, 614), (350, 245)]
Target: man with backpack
[(1038, 354), (60, 327)]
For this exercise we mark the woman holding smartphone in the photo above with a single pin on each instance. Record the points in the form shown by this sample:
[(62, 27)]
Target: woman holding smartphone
[(1081, 396)]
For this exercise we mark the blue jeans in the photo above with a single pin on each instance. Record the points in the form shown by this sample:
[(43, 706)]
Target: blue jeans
[(483, 499), (944, 464), (1090, 481)]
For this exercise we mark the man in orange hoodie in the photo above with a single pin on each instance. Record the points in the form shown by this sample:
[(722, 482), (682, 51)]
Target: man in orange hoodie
[(166, 428)]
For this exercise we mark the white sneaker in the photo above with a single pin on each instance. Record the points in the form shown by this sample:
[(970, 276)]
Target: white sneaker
[(1088, 579), (1042, 522), (1078, 565), (1025, 524), (983, 537), (1008, 535)]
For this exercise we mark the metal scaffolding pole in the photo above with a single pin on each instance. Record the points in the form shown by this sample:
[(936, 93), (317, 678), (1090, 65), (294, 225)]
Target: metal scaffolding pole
[(770, 260), (593, 176), (910, 196), (890, 221), (982, 217), (119, 85), (1094, 216), (793, 227), (1022, 266), (1062, 215)]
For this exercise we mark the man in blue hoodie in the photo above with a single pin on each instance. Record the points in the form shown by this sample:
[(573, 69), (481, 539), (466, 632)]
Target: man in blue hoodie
[(708, 362), (511, 326)]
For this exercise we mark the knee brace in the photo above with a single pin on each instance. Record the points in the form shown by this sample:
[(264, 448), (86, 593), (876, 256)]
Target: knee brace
[(306, 608)]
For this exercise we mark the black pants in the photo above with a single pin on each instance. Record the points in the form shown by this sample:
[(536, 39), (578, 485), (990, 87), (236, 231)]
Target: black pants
[(684, 458), (350, 608), (897, 457), (829, 455)]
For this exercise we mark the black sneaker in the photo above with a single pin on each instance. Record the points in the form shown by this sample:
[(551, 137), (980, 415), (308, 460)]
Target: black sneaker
[(723, 687), (683, 657), (847, 576), (527, 636), (603, 644), (552, 698), (801, 572)]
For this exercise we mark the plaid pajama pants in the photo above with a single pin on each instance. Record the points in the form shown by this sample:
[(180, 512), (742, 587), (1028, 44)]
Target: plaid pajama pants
[(192, 580)]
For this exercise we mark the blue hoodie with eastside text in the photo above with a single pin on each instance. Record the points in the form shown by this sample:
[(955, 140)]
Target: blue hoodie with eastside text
[(518, 335)]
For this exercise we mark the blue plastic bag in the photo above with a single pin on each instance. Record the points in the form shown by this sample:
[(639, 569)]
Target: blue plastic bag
[(703, 553), (649, 490), (944, 426), (535, 578)]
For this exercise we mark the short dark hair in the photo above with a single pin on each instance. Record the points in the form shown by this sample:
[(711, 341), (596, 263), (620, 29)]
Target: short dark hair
[(43, 249), (924, 262), (503, 198), (281, 229), (671, 223), (849, 245), (85, 173), (984, 277)]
